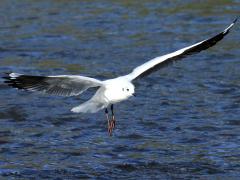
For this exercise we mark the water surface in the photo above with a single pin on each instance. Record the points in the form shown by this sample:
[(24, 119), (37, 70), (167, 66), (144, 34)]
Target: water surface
[(184, 122)]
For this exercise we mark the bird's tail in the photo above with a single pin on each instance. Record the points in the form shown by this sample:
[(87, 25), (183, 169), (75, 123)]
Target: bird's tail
[(89, 106)]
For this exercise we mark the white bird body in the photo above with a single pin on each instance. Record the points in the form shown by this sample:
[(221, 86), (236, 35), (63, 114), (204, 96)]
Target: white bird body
[(112, 91), (118, 89)]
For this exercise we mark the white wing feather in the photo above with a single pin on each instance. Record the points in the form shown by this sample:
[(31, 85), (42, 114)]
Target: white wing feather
[(63, 85), (149, 66)]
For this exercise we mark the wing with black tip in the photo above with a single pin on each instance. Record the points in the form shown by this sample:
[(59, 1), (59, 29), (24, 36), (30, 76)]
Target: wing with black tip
[(63, 85), (161, 61)]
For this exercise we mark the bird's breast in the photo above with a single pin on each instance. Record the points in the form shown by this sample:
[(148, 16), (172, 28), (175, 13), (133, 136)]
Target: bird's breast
[(114, 96)]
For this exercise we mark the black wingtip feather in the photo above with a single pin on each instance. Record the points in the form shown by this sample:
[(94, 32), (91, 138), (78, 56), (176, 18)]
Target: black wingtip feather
[(7, 78), (5, 75), (22, 81), (13, 82), (236, 20), (203, 46)]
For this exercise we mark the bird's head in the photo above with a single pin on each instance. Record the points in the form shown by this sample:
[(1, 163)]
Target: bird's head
[(118, 89), (127, 89)]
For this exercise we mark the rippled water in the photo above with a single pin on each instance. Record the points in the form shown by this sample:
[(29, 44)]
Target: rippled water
[(184, 122)]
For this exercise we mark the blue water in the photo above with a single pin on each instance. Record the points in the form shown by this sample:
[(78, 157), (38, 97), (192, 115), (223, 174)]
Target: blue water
[(184, 122)]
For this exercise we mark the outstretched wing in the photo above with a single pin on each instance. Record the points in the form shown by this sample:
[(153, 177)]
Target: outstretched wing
[(62, 85), (161, 61)]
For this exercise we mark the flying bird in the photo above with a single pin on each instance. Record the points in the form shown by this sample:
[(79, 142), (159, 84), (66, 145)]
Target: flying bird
[(109, 91)]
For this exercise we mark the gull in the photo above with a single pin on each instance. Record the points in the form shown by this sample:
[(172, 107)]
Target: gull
[(109, 91)]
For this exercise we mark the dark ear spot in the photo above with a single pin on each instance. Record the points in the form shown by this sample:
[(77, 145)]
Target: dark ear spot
[(127, 89), (122, 89)]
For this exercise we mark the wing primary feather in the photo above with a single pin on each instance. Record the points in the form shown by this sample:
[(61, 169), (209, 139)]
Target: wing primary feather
[(159, 62), (57, 85)]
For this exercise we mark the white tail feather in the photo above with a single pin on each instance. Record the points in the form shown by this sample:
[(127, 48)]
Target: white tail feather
[(88, 107)]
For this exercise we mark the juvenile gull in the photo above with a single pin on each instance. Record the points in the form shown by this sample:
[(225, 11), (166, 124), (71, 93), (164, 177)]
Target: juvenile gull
[(110, 91)]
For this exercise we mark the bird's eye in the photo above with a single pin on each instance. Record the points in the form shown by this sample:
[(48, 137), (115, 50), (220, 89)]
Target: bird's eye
[(127, 89)]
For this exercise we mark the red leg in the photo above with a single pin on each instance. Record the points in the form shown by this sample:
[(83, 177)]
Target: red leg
[(109, 123), (113, 121)]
